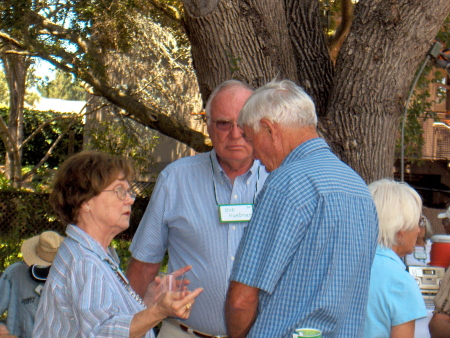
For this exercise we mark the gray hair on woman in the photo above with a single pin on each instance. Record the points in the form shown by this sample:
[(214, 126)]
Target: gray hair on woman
[(399, 208), (282, 102)]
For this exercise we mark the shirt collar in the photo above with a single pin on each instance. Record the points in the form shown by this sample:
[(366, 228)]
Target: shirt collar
[(81, 237), (387, 252), (305, 149), (219, 172)]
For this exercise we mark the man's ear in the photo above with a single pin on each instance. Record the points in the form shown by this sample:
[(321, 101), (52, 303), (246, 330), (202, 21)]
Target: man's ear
[(269, 126)]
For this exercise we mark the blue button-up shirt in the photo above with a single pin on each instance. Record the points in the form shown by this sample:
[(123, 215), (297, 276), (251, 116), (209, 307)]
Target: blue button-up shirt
[(183, 218), (309, 246), (83, 295), (18, 296)]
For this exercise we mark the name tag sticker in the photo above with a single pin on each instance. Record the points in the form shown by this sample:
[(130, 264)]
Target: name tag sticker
[(235, 212)]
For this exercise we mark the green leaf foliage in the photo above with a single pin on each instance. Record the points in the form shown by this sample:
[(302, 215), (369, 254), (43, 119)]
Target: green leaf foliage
[(63, 86), (36, 148), (420, 107), (126, 138)]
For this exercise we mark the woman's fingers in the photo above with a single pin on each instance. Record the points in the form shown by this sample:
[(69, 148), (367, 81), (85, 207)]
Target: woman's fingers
[(185, 269), (190, 296)]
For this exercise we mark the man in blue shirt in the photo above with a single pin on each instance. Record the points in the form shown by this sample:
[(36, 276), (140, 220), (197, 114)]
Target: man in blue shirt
[(183, 216), (305, 258)]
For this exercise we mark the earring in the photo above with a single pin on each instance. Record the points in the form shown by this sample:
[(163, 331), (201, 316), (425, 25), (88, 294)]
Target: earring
[(87, 208)]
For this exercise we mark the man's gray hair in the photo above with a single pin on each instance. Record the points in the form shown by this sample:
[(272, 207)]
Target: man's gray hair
[(399, 208), (282, 102), (219, 88)]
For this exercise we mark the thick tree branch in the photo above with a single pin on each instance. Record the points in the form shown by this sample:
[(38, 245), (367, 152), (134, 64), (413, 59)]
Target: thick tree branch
[(343, 29), (10, 146), (60, 32), (169, 11), (4, 133), (149, 117), (6, 38), (16, 52)]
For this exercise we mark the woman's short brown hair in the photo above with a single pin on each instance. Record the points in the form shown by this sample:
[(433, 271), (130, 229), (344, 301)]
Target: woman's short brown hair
[(83, 176)]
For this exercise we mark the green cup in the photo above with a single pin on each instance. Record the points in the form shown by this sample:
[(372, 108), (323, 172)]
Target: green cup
[(306, 332)]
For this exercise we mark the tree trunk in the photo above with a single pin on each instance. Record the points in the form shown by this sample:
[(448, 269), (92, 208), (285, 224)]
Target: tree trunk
[(243, 39), (16, 67), (360, 105), (314, 66), (374, 70)]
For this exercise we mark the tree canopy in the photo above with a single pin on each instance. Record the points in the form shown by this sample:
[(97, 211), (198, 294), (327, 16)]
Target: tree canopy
[(359, 77), (84, 38)]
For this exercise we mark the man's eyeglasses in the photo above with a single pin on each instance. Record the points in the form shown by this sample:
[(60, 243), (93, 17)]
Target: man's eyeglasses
[(422, 222), (224, 125), (121, 193)]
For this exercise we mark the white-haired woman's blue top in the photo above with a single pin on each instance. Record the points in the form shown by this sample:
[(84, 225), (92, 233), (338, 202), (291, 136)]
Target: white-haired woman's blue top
[(394, 296)]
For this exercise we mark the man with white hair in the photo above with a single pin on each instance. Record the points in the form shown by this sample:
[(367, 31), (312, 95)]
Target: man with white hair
[(305, 258)]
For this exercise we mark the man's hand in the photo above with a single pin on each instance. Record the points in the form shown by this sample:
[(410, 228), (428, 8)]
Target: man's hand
[(439, 326)]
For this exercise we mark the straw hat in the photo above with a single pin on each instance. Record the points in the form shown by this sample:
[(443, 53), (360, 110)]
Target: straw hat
[(41, 249)]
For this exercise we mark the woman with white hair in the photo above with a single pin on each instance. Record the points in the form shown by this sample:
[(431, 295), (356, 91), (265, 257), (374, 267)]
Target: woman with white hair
[(395, 301)]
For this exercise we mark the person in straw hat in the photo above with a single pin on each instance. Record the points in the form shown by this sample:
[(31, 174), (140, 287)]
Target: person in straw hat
[(22, 282)]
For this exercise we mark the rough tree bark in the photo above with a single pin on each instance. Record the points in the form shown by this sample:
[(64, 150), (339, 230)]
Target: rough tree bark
[(241, 39), (359, 107), (314, 66)]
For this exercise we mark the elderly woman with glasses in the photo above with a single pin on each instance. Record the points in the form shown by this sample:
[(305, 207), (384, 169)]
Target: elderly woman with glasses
[(395, 300), (421, 253), (86, 293)]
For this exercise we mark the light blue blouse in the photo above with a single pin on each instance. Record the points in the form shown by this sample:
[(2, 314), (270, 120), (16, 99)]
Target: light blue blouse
[(394, 296)]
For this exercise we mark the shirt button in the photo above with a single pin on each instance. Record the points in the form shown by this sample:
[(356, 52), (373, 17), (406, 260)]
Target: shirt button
[(235, 197), (233, 227), (232, 258), (248, 182)]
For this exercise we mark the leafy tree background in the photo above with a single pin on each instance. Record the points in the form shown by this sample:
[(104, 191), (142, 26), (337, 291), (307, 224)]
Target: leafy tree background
[(359, 92), (64, 86), (35, 150), (4, 93)]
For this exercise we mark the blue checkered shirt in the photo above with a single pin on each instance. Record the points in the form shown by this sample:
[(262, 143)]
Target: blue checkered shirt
[(310, 246), (183, 218)]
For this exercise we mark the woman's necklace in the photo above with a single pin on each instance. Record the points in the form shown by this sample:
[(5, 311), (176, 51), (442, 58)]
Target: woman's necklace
[(125, 283)]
